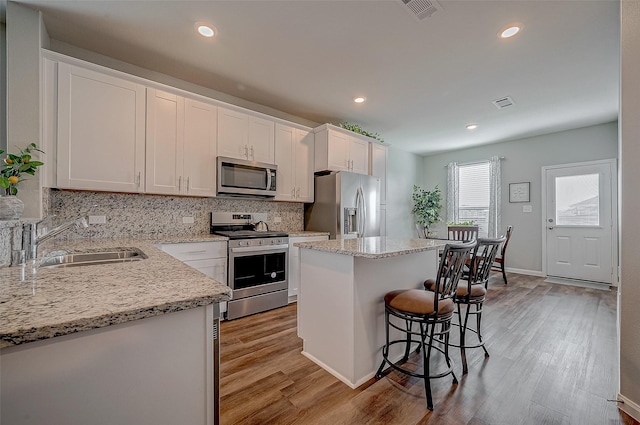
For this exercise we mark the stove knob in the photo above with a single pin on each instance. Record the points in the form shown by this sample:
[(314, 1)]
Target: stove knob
[(261, 242)]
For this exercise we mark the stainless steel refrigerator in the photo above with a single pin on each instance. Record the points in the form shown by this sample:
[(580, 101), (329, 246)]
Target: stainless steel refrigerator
[(346, 204)]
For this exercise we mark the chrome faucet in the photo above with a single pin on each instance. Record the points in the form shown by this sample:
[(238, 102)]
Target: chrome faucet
[(31, 240)]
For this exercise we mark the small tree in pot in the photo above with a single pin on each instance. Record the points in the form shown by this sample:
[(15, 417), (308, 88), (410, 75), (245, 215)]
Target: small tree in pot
[(426, 207)]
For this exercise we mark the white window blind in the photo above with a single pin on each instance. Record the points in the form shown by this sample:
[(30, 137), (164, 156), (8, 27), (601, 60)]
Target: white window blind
[(474, 195)]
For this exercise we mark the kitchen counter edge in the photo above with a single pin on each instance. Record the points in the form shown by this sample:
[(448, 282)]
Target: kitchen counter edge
[(373, 247)]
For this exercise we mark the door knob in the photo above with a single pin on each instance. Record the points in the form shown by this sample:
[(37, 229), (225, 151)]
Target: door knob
[(550, 228)]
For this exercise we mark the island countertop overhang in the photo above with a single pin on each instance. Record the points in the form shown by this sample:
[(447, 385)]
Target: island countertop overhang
[(374, 247)]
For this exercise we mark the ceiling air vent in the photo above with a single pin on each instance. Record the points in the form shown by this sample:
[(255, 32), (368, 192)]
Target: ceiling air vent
[(503, 102), (421, 9)]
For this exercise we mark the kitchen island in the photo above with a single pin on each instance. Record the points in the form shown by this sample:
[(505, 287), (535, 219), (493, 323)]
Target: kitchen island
[(340, 303), (129, 342)]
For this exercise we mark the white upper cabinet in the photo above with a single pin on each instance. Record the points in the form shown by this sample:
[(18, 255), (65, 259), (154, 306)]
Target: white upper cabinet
[(165, 142), (294, 156), (181, 145), (200, 132), (337, 149), (378, 168), (245, 136), (101, 131)]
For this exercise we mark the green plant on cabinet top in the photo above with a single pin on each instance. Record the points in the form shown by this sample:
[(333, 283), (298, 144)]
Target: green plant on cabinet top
[(359, 130)]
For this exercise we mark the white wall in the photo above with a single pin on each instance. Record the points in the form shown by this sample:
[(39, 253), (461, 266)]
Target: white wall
[(629, 291), (3, 86), (403, 171), (25, 35), (523, 162)]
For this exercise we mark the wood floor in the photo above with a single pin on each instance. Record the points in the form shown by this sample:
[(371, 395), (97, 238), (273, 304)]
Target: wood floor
[(553, 361)]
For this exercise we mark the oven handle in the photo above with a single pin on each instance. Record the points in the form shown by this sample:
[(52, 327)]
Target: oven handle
[(259, 248)]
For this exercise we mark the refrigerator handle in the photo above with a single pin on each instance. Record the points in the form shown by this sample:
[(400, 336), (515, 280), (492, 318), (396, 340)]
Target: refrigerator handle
[(362, 213)]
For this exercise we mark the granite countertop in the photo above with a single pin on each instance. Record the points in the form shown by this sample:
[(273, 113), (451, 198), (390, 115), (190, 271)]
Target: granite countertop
[(41, 303), (373, 247)]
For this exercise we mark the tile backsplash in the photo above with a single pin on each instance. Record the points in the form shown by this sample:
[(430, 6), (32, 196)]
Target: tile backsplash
[(135, 215)]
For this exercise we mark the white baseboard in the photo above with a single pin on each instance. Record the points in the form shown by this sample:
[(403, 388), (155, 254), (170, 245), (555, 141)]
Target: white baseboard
[(629, 407), (524, 271), (579, 283)]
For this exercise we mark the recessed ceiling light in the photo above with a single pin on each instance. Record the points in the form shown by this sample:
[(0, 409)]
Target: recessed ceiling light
[(510, 31), (472, 126), (206, 30), (359, 99)]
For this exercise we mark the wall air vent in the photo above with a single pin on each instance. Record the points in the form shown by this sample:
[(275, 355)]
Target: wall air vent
[(503, 102), (421, 9)]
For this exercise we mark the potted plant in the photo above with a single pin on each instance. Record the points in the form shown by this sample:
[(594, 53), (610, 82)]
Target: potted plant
[(426, 207), (11, 171)]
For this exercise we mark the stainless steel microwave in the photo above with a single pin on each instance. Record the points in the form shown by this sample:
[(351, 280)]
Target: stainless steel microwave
[(238, 177)]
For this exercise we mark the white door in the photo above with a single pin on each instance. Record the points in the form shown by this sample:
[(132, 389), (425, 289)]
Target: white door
[(579, 221)]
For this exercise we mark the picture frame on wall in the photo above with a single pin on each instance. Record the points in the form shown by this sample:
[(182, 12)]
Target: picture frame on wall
[(519, 192)]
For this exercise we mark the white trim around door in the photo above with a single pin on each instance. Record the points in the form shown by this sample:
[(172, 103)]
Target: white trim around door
[(608, 204)]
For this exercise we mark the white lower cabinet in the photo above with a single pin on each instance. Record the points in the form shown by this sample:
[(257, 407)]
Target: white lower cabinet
[(294, 262), (210, 258), (157, 370)]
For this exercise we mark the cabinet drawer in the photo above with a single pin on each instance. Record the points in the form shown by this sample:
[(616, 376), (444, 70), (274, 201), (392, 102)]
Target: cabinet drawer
[(215, 268), (196, 250)]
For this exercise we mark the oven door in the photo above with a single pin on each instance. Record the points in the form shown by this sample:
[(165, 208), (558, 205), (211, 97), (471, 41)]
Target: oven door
[(258, 269)]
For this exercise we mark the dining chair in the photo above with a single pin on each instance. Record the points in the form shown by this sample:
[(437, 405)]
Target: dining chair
[(498, 263), (428, 310), (462, 233)]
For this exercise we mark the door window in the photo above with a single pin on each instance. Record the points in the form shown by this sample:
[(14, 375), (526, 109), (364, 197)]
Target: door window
[(577, 200)]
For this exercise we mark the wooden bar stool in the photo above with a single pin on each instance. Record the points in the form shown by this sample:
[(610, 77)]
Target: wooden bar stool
[(426, 309)]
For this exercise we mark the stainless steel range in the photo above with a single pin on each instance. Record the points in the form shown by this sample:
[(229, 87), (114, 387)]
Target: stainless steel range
[(257, 264)]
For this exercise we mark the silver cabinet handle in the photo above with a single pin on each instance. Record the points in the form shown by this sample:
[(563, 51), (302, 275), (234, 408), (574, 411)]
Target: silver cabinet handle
[(138, 180), (179, 183), (246, 151), (253, 157), (196, 252), (293, 193), (297, 192), (187, 184)]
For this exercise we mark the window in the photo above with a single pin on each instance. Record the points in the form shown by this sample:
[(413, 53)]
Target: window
[(474, 195)]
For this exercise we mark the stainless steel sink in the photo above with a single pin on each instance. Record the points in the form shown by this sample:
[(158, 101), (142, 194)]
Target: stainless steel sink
[(112, 255)]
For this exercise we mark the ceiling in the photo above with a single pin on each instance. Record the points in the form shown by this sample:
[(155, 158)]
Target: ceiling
[(424, 80)]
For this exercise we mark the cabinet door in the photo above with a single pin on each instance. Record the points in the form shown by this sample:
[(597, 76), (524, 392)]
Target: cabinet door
[(285, 160), (233, 134), (359, 155), (200, 131), (338, 151), (304, 165), (165, 136), (101, 131), (261, 140), (378, 168)]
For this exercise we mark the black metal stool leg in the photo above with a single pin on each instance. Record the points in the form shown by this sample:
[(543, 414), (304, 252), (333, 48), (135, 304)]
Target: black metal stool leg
[(463, 331), (385, 349), (426, 356), (408, 327), (479, 319)]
